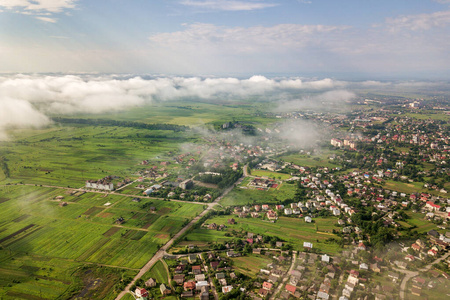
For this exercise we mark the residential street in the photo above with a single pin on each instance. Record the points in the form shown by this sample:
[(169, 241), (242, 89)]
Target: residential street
[(162, 251), (411, 274)]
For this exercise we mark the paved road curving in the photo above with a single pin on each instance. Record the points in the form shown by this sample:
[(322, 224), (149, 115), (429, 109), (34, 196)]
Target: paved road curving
[(411, 274), (162, 251)]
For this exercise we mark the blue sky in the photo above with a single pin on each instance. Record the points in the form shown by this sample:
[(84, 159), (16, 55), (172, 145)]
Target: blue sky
[(343, 38)]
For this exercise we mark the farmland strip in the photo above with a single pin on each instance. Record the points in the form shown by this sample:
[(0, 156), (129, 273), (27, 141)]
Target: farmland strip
[(92, 250), (16, 233), (24, 236), (21, 218)]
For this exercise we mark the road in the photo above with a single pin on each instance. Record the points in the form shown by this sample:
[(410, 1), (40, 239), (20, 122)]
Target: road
[(162, 251), (411, 274), (294, 259)]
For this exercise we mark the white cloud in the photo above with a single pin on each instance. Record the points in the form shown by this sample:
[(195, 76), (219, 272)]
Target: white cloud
[(39, 8), (39, 96), (244, 39), (17, 113), (330, 100), (228, 5), (419, 22), (46, 19)]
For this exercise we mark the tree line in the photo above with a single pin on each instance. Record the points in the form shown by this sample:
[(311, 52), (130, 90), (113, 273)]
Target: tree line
[(106, 122)]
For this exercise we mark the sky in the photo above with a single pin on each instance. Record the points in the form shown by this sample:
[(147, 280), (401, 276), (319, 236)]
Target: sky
[(341, 38)]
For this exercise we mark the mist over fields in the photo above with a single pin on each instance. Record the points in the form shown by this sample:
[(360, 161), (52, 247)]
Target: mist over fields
[(29, 100)]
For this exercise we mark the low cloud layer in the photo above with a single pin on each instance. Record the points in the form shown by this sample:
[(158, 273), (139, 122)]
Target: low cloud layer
[(335, 99), (28, 100)]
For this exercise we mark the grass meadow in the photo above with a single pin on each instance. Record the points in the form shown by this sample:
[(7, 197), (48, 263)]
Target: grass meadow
[(242, 195), (314, 160), (269, 174), (251, 264), (293, 230), (157, 272)]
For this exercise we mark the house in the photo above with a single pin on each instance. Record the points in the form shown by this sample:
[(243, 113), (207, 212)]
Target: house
[(415, 247), (187, 294), (189, 285), (409, 257), (196, 270), (325, 258), (271, 215), (187, 184), (178, 278), (288, 211), (374, 267), (290, 288), (418, 281), (220, 275), (200, 277), (273, 278), (416, 292), (395, 276), (192, 258), (164, 290), (150, 283), (267, 285), (361, 246), (227, 289), (180, 268), (212, 226), (223, 282), (432, 207), (141, 293), (231, 221), (308, 219), (432, 252), (279, 244), (256, 251), (307, 245), (214, 265), (200, 284), (263, 292)]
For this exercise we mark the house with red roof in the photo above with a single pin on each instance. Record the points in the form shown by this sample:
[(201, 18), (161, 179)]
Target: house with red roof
[(141, 293), (432, 207), (290, 288), (189, 285), (267, 285)]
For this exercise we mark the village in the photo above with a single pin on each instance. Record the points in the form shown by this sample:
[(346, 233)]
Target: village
[(382, 184)]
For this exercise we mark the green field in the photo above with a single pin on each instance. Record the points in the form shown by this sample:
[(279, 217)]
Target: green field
[(157, 272), (36, 232), (69, 155), (418, 219), (269, 174), (246, 196), (251, 264), (191, 113), (293, 230), (410, 187)]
